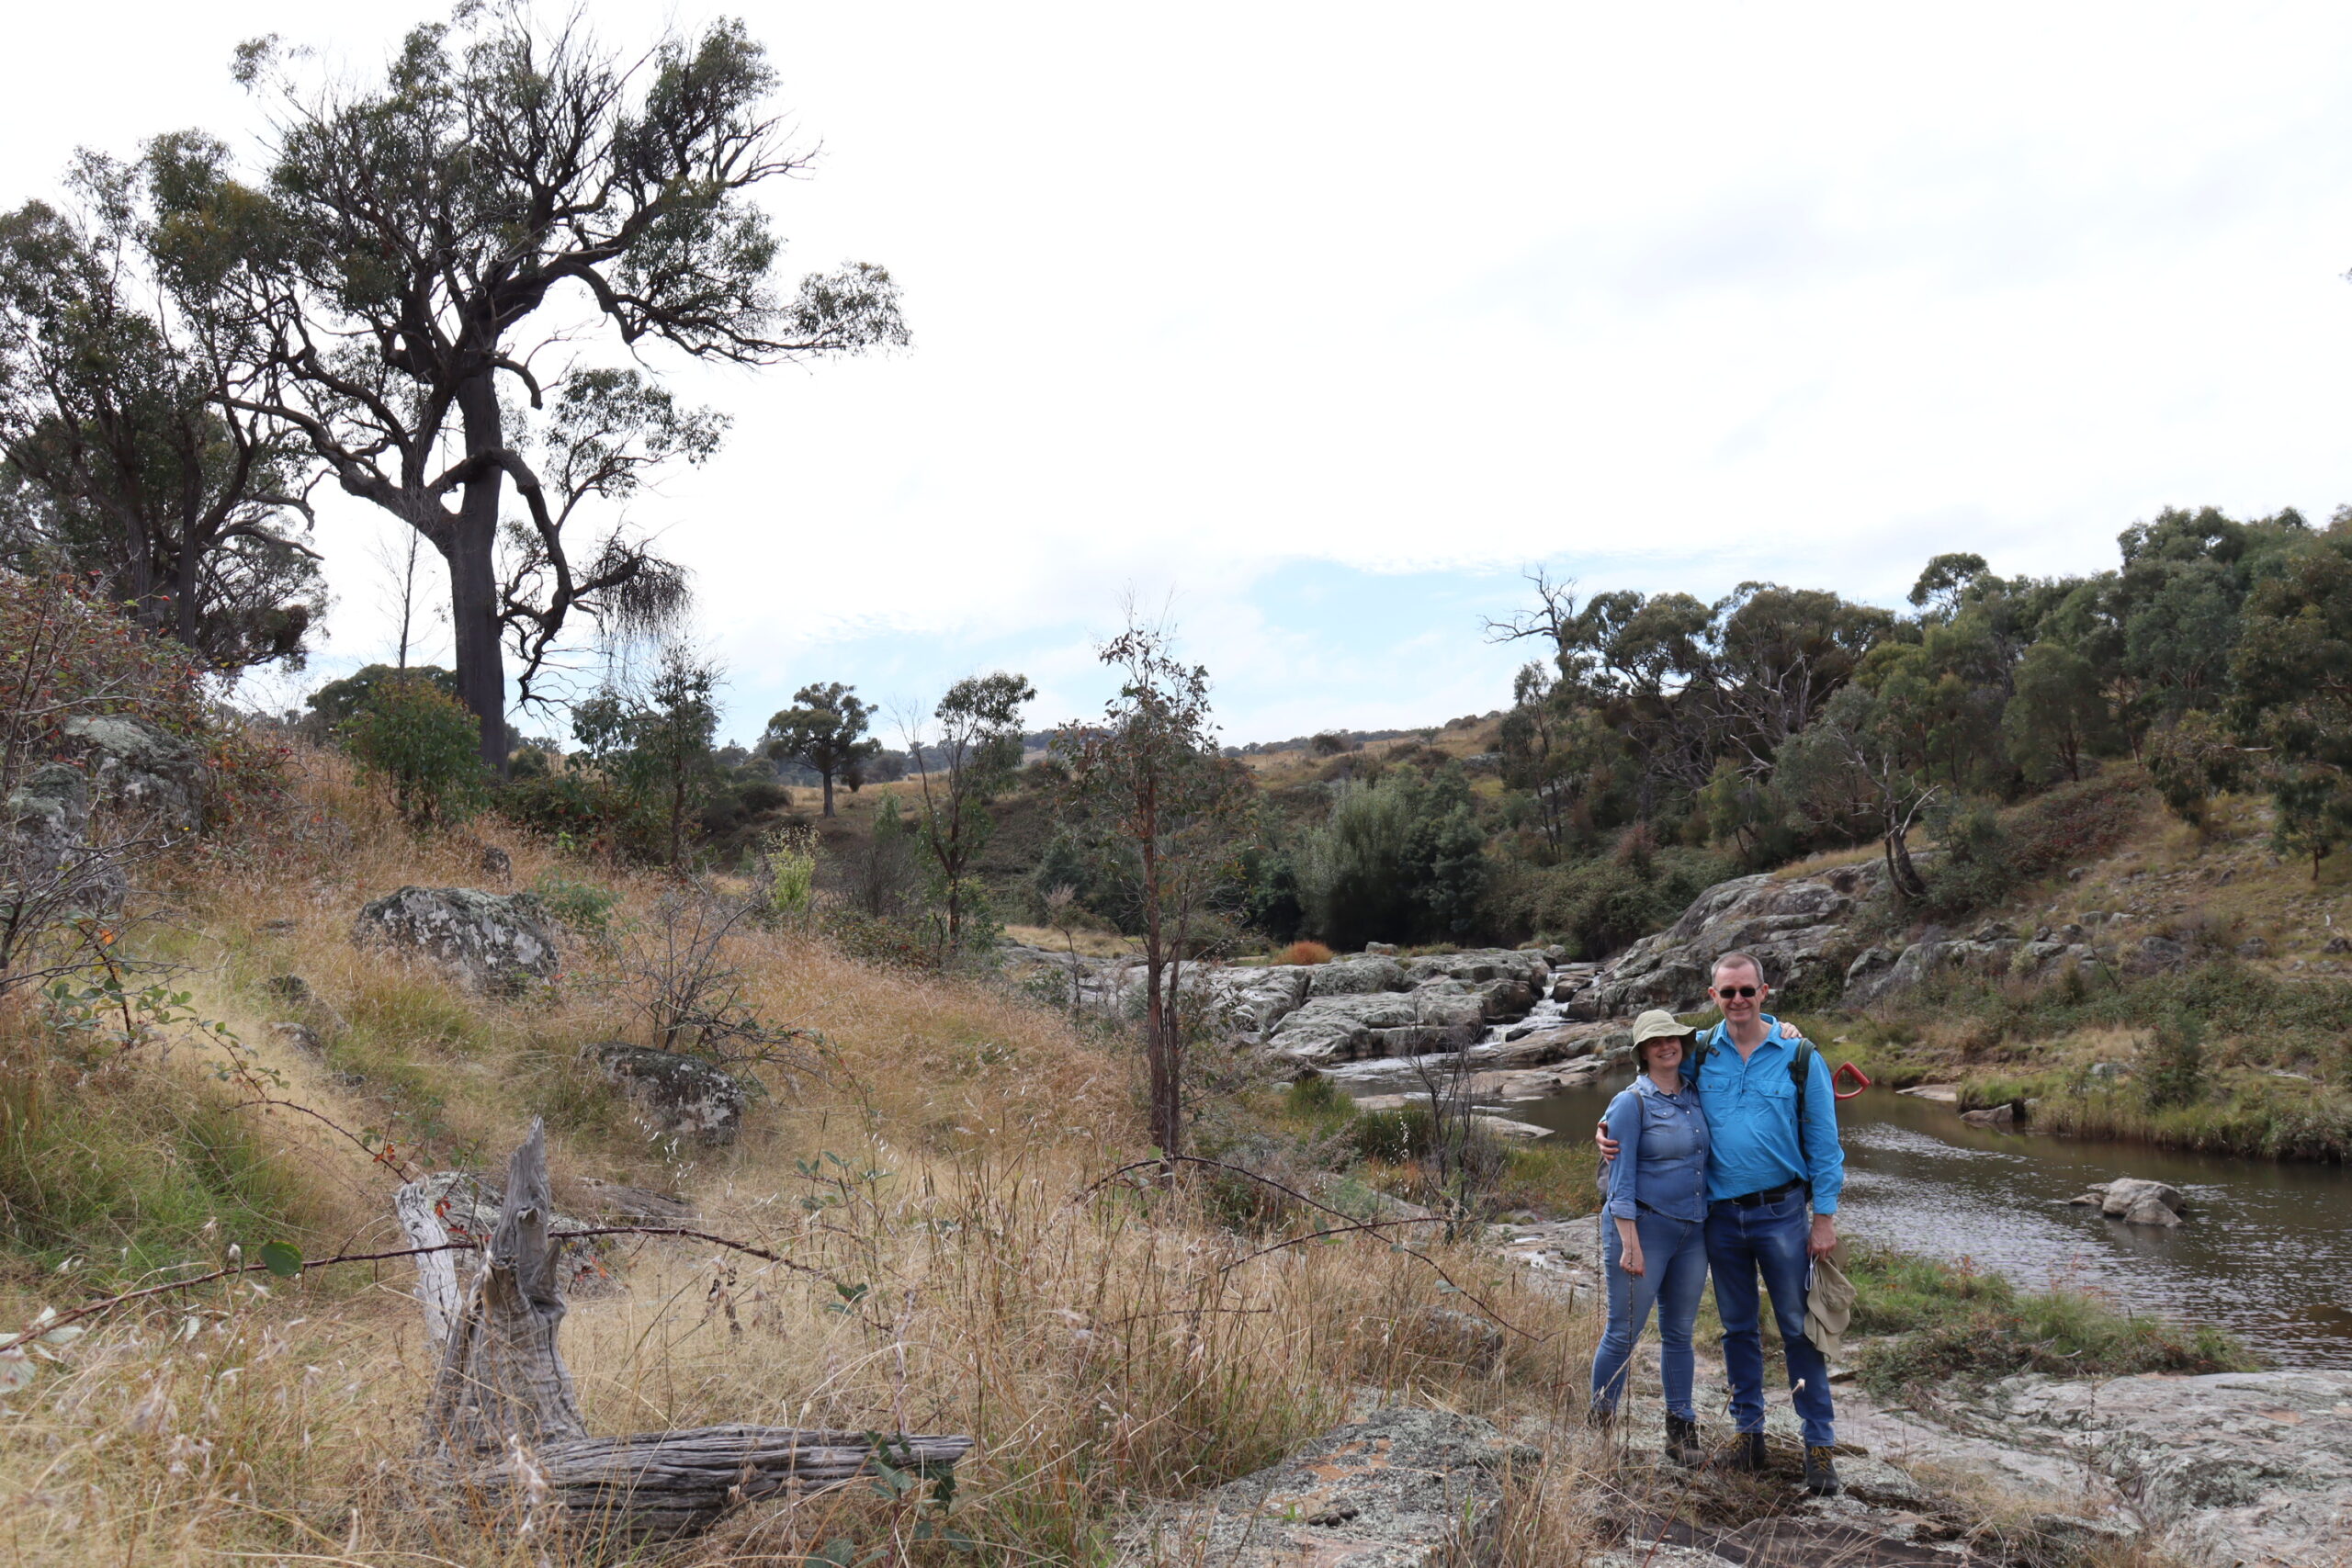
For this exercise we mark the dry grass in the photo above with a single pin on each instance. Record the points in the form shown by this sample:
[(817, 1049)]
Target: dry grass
[(1102, 1351), (1091, 944)]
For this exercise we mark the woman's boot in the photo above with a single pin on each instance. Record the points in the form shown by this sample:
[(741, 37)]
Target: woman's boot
[(1682, 1440)]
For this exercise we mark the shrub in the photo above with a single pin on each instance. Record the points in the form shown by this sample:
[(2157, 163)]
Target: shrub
[(422, 744), (2171, 1069), (1401, 858), (581, 906), (1989, 853), (1305, 952)]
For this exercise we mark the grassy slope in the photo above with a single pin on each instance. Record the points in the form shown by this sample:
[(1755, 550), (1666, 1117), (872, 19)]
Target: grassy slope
[(2260, 1018), (1098, 1360)]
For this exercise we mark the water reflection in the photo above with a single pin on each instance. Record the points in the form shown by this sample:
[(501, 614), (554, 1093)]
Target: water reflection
[(2266, 1250)]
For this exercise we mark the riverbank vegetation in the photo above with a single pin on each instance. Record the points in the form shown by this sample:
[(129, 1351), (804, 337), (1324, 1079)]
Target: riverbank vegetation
[(1924, 1323)]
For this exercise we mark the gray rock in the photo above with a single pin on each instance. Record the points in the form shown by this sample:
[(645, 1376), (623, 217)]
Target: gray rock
[(47, 828), (2120, 1197), (140, 768), (1339, 1028), (301, 1036), (495, 943), (1798, 926), (1249, 1001), (2154, 954), (497, 865), (1355, 976), (2150, 1212), (1404, 1488), (287, 988), (2001, 1117), (676, 1096)]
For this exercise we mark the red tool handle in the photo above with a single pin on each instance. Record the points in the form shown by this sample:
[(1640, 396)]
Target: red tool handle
[(1861, 1081)]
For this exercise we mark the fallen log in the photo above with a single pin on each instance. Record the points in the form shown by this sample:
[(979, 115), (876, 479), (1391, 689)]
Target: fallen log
[(502, 1429)]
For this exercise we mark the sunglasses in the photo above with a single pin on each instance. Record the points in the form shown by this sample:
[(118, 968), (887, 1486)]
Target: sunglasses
[(1742, 992)]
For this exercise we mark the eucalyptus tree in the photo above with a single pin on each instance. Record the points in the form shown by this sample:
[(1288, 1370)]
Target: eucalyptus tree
[(121, 457), (824, 729), (439, 250)]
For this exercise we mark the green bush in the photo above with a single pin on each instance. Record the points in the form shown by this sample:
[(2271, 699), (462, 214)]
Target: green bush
[(1989, 853), (1401, 858), (422, 744)]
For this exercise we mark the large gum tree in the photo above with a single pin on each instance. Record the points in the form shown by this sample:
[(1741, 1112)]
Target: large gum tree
[(435, 259)]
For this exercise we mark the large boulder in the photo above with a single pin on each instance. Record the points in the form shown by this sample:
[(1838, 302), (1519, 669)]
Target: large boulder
[(49, 856), (497, 944), (1800, 927), (1355, 976), (1404, 1488), (2141, 1202), (1249, 1000), (675, 1096), (1377, 1023), (139, 769)]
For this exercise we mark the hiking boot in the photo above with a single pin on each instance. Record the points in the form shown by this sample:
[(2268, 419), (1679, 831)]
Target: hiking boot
[(1821, 1472), (1682, 1440), (1746, 1452)]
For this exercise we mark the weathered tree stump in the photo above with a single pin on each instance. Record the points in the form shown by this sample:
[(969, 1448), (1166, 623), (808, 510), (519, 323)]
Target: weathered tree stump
[(502, 1427)]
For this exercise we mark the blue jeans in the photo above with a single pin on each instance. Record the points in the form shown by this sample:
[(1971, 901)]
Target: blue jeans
[(1674, 1264), (1769, 1239)]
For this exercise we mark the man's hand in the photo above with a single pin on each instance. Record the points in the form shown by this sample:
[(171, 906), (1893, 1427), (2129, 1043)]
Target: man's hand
[(1825, 1236), (1607, 1145)]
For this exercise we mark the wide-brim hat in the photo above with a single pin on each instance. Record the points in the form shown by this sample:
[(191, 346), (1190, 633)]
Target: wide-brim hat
[(1659, 1024)]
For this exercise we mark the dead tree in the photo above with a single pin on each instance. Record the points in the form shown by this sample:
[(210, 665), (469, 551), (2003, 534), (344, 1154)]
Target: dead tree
[(502, 1427)]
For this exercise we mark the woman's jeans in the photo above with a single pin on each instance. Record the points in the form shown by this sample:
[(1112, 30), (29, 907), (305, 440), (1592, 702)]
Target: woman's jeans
[(1769, 1240), (1674, 1262)]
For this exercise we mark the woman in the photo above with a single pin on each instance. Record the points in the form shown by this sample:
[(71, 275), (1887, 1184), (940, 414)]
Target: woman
[(1656, 1248)]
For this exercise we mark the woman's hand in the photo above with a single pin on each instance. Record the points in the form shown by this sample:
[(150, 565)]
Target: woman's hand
[(1629, 1258)]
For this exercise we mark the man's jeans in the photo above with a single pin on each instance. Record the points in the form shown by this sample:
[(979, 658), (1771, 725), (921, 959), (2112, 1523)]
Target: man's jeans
[(1674, 1260), (1769, 1239)]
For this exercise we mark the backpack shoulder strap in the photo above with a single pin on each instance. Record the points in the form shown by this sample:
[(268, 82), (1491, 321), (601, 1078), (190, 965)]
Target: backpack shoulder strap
[(1799, 1071)]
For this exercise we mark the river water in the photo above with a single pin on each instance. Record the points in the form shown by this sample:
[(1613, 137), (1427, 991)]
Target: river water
[(2266, 1250)]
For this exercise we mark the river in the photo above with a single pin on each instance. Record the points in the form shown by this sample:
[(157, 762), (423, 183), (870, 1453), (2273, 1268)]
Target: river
[(2266, 1250)]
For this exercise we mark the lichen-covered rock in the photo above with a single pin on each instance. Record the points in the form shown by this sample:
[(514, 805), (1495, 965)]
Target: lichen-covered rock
[(140, 768), (675, 1096), (497, 944), (1355, 976), (1404, 1488), (1250, 999), (48, 850), (1799, 927)]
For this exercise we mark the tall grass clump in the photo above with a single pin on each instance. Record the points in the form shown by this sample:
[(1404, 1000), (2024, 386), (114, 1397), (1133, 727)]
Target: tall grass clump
[(1943, 1322)]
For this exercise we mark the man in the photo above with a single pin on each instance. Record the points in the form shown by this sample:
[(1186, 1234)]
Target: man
[(1764, 1159)]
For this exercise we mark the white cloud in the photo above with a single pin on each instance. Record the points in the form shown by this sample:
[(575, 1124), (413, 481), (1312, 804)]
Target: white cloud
[(1670, 295)]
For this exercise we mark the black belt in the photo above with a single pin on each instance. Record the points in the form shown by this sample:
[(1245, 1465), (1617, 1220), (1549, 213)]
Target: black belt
[(1770, 1195)]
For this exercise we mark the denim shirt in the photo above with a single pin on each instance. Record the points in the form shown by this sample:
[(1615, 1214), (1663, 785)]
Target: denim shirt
[(1662, 1156), (1751, 1110)]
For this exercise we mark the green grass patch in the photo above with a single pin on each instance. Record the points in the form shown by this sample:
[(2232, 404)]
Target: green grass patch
[(1943, 1322), (127, 1175)]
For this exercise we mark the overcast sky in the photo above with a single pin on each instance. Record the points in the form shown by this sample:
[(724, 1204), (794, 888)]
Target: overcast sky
[(1319, 322)]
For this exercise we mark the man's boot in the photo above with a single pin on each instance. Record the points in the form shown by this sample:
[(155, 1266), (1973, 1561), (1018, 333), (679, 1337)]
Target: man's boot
[(1746, 1452), (1821, 1472), (1682, 1440)]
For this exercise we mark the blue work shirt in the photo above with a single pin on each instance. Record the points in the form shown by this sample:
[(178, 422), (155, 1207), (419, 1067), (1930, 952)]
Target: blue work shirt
[(1752, 1119), (1662, 1152)]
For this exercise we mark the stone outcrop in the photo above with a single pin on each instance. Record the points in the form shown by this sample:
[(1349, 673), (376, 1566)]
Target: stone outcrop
[(1403, 1488), (140, 770), (675, 1096), (2235, 1470), (497, 944), (1799, 926)]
